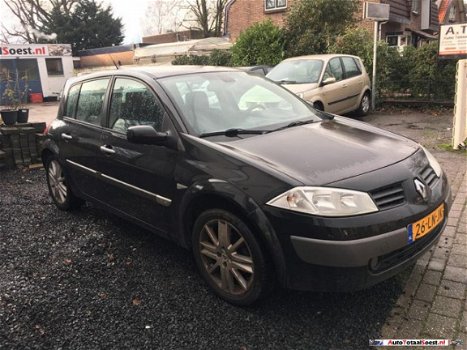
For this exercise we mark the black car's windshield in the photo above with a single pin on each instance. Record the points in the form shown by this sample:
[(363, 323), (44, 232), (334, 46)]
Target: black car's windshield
[(303, 71), (218, 101)]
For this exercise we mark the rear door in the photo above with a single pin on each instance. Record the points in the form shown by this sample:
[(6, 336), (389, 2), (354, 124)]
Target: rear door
[(138, 178), (80, 137), (354, 81)]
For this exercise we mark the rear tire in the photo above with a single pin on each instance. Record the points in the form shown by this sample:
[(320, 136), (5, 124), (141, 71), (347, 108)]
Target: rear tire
[(58, 184), (364, 107), (229, 257)]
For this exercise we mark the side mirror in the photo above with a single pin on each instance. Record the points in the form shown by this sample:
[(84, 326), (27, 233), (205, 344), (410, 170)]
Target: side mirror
[(327, 81), (147, 135)]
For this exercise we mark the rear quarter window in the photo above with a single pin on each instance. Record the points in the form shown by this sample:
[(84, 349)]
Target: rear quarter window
[(71, 100)]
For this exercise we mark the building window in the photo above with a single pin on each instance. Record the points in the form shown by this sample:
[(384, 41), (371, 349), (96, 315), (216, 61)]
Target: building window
[(452, 14), (275, 4), (54, 66), (416, 6)]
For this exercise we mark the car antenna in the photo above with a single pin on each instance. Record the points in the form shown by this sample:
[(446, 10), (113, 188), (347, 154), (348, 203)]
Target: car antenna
[(115, 64)]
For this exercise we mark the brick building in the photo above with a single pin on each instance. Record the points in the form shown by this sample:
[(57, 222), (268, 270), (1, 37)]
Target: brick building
[(411, 22)]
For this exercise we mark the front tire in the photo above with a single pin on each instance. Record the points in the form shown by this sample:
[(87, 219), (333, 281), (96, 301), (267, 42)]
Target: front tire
[(59, 188), (230, 258)]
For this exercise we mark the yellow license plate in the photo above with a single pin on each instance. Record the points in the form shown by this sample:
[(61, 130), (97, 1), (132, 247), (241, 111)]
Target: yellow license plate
[(425, 225)]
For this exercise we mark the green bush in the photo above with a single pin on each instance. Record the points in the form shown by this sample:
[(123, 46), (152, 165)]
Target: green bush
[(312, 26), (217, 58), (431, 77), (262, 43), (220, 58), (191, 60), (413, 73)]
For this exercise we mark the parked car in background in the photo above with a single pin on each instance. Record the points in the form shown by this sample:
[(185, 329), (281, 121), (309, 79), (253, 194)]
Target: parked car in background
[(259, 185), (332, 83)]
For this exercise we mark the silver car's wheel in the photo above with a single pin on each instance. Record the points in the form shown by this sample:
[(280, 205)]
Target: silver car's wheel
[(365, 103), (229, 257)]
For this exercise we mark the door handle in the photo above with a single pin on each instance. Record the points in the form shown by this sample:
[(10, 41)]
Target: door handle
[(107, 149), (344, 85), (66, 136)]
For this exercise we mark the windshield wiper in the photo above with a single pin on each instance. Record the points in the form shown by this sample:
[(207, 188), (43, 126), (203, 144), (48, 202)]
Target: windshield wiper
[(234, 132), (295, 123)]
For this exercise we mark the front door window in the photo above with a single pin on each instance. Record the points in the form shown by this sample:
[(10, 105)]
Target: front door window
[(133, 103)]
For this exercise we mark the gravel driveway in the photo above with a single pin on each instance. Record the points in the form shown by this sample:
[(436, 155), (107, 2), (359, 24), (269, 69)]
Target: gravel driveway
[(88, 280)]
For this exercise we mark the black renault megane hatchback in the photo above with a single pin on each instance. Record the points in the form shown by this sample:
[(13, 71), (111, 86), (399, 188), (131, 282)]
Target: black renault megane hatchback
[(259, 185)]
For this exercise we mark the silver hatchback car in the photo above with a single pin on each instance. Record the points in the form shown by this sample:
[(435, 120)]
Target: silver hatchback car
[(332, 83)]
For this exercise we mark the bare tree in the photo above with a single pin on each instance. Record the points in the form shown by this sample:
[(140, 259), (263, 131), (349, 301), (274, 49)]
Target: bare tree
[(208, 16), (162, 16), (33, 15)]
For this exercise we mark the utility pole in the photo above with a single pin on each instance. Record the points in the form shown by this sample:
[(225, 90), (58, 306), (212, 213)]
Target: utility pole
[(378, 13)]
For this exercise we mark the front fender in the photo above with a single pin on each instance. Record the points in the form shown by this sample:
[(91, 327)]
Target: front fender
[(223, 191)]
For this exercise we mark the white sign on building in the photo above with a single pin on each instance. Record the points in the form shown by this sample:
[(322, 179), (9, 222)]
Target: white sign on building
[(42, 68), (453, 41)]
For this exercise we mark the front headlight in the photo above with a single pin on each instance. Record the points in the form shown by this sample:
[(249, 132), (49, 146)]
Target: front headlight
[(325, 201), (433, 162)]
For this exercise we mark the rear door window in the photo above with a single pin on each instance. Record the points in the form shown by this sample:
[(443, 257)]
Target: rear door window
[(350, 66), (91, 101), (133, 103)]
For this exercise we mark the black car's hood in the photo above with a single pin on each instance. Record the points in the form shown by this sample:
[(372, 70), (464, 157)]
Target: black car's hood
[(327, 151)]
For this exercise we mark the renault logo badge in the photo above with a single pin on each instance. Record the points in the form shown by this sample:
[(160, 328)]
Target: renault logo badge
[(421, 189)]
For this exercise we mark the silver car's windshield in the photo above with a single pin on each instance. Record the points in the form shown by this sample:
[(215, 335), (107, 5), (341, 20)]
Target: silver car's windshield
[(218, 101), (297, 71)]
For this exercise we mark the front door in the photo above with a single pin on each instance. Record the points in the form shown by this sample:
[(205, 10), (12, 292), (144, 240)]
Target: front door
[(335, 94), (139, 177)]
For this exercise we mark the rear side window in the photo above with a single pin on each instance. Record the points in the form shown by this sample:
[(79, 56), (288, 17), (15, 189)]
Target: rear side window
[(350, 66), (133, 103), (91, 101), (71, 100)]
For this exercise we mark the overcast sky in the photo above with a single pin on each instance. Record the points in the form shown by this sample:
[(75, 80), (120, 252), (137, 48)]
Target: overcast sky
[(131, 13)]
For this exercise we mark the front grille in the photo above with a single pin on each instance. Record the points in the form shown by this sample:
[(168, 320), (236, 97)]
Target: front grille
[(394, 258), (388, 197), (428, 175)]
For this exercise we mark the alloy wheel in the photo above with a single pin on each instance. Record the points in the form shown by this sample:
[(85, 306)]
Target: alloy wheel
[(57, 184), (226, 256), (365, 103)]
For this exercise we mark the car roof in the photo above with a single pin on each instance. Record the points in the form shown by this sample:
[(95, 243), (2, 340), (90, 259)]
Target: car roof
[(157, 71), (324, 57)]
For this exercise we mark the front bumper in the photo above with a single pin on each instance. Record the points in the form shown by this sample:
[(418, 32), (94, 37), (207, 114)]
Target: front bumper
[(354, 265), (346, 254)]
